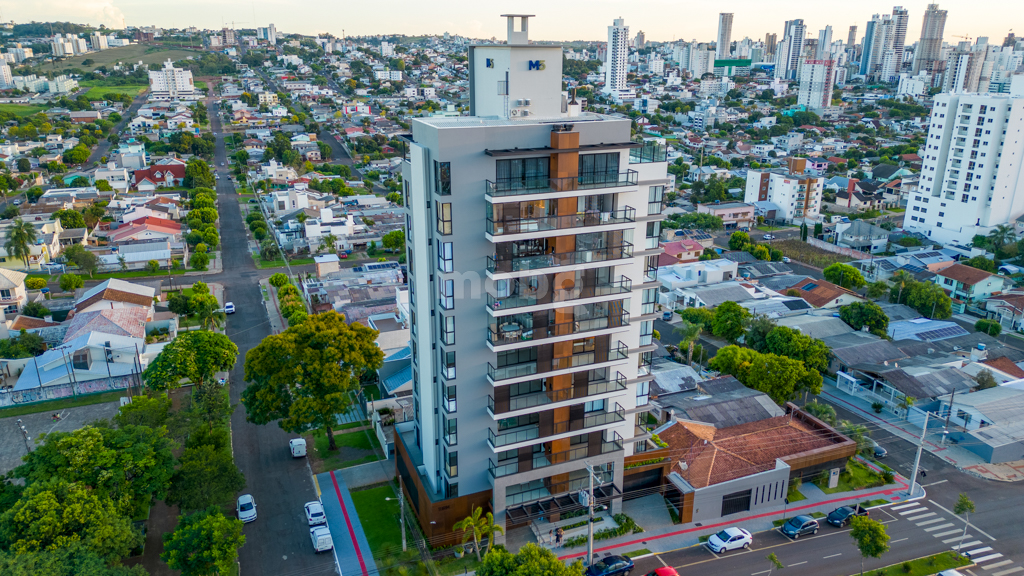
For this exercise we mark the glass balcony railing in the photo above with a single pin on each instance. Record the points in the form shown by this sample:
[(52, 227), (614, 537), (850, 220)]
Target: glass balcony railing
[(535, 431), (547, 223), (552, 396), (521, 263), (619, 352), (523, 186), (528, 297), (507, 468), (514, 333), (649, 152)]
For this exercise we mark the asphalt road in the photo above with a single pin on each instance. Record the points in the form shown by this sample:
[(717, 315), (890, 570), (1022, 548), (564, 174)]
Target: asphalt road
[(104, 146), (277, 543)]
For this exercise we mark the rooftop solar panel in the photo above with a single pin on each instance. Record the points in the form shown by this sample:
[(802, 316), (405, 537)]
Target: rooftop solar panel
[(942, 333), (810, 286), (886, 265)]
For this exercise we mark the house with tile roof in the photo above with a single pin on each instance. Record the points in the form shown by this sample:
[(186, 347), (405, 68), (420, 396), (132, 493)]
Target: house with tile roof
[(147, 228), (824, 294), (683, 250), (13, 295), (747, 467), (114, 293), (93, 361), (158, 176), (128, 322), (969, 284)]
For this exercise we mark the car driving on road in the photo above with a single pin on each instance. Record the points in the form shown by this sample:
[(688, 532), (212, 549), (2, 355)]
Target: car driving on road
[(730, 539), (841, 516), (799, 526)]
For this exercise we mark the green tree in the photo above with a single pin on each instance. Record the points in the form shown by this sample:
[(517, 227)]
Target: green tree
[(758, 328), (787, 342), (195, 356), (35, 310), (531, 560), (964, 507), (738, 240), (393, 240), (824, 412), (1000, 236), (688, 333), (981, 263), (199, 261), (179, 304), (74, 559), (204, 304), (729, 321), (930, 300), (277, 280), (877, 289), (151, 411), (152, 266), (870, 538), (859, 314), (773, 563), (990, 327), (69, 219), (207, 476), (478, 526), (844, 275), (21, 236), (82, 257), (35, 283), (198, 174), (204, 543), (701, 316), (307, 374), (70, 282), (24, 165), (985, 380), (56, 513)]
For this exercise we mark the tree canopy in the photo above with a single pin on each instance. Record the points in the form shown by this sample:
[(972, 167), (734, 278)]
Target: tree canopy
[(844, 275), (531, 560), (779, 377), (860, 314), (203, 543), (196, 356), (730, 320)]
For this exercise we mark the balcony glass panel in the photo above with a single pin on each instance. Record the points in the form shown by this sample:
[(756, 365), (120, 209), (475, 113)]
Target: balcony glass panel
[(525, 295), (620, 352), (518, 264), (534, 431), (650, 152), (541, 460), (546, 223), (551, 396), (542, 185), (519, 327)]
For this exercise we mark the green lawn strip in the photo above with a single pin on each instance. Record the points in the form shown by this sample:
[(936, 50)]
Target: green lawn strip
[(361, 440), (873, 503), (923, 566), (350, 425), (371, 392), (856, 477), (451, 566), (378, 516), (22, 109), (200, 84), (57, 405), (635, 553), (703, 539), (280, 263), (794, 494), (129, 274), (104, 92)]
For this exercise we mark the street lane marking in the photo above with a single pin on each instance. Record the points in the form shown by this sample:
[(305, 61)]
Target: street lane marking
[(939, 527), (902, 506), (982, 532), (957, 538), (1010, 571), (932, 521), (662, 561), (762, 572), (915, 511), (967, 545), (973, 552), (900, 540), (997, 565), (934, 483), (916, 518), (989, 557), (832, 556), (798, 563)]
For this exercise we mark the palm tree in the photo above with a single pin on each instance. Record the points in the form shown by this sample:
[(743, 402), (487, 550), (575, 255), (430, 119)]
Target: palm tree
[(478, 526), (490, 529), (21, 236), (1002, 235), (329, 242), (688, 333), (901, 279)]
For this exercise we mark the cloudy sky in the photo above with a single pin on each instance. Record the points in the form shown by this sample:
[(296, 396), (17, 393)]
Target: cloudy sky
[(661, 20)]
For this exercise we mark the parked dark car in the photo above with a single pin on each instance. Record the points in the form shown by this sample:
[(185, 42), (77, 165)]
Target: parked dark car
[(799, 526), (880, 452), (666, 316), (610, 566), (841, 516)]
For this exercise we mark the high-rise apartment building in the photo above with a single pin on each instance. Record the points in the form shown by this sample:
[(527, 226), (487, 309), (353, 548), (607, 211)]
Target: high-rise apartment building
[(789, 52), (823, 50), (170, 83), (928, 55), (851, 37), (900, 19), (770, 40), (724, 42), (798, 195), (817, 78), (970, 177), (531, 330), (640, 40), (6, 78), (617, 66), (269, 34), (98, 41), (963, 69), (229, 36), (868, 46)]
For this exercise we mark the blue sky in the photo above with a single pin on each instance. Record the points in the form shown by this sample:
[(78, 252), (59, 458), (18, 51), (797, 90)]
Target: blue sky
[(661, 20)]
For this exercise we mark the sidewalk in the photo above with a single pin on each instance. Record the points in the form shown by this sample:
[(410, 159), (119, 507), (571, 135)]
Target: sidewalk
[(277, 322), (660, 535), (351, 548), (961, 458)]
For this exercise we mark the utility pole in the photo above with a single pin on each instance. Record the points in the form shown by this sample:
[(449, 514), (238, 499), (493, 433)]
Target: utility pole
[(590, 516), (917, 459), (945, 429), (401, 505)]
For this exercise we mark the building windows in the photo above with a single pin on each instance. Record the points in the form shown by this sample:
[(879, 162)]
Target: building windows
[(522, 173), (650, 299), (655, 200), (451, 489), (651, 269), (442, 178), (451, 404), (643, 393), (963, 198), (646, 333), (444, 217), (447, 326), (451, 463), (594, 406), (653, 234), (444, 257), (448, 365), (451, 432), (447, 288), (639, 447), (5, 294)]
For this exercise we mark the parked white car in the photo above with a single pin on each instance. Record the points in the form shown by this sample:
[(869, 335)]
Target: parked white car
[(246, 508), (730, 539), (315, 513)]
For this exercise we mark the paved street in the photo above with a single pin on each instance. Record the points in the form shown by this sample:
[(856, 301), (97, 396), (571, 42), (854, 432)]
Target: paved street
[(104, 146), (277, 544)]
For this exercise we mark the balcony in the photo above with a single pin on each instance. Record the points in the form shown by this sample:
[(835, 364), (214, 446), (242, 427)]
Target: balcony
[(620, 352), (648, 153), (534, 431), (548, 223), (529, 297), (507, 468), (540, 261), (528, 186), (527, 401), (513, 333)]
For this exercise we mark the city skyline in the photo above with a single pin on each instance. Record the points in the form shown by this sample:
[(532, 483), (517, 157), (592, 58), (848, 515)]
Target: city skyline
[(565, 23)]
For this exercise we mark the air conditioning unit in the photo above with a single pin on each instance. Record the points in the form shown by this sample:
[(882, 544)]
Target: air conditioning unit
[(525, 101), (524, 113), (515, 112)]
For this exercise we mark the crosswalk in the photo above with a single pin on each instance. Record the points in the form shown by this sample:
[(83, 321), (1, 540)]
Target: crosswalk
[(940, 526)]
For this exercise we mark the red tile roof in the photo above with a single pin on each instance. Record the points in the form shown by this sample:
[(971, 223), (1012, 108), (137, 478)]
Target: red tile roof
[(822, 294), (159, 222), (1006, 366), (159, 173), (964, 274)]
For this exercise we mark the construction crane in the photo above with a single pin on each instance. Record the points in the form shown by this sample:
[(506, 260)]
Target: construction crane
[(968, 38)]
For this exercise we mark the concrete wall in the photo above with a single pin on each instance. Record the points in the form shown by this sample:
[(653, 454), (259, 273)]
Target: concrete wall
[(855, 254), (768, 489)]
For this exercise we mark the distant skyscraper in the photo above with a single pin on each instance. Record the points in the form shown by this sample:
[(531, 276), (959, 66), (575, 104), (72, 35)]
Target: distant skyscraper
[(724, 35), (824, 44), (787, 56), (868, 45), (851, 39), (640, 40), (1010, 41), (816, 81), (617, 65), (928, 55), (900, 19), (770, 40)]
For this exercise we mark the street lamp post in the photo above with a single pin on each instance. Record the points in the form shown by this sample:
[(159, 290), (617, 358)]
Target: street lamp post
[(401, 505)]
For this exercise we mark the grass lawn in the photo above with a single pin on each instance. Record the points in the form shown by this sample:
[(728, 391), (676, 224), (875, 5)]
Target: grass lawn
[(924, 566), (172, 293), (703, 539), (897, 209), (149, 54), (21, 109), (794, 494), (280, 263), (636, 553), (371, 392), (856, 477), (378, 516), (350, 425), (875, 502), (186, 321), (200, 84), (57, 405), (129, 274), (98, 91), (345, 457), (467, 563), (803, 252)]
